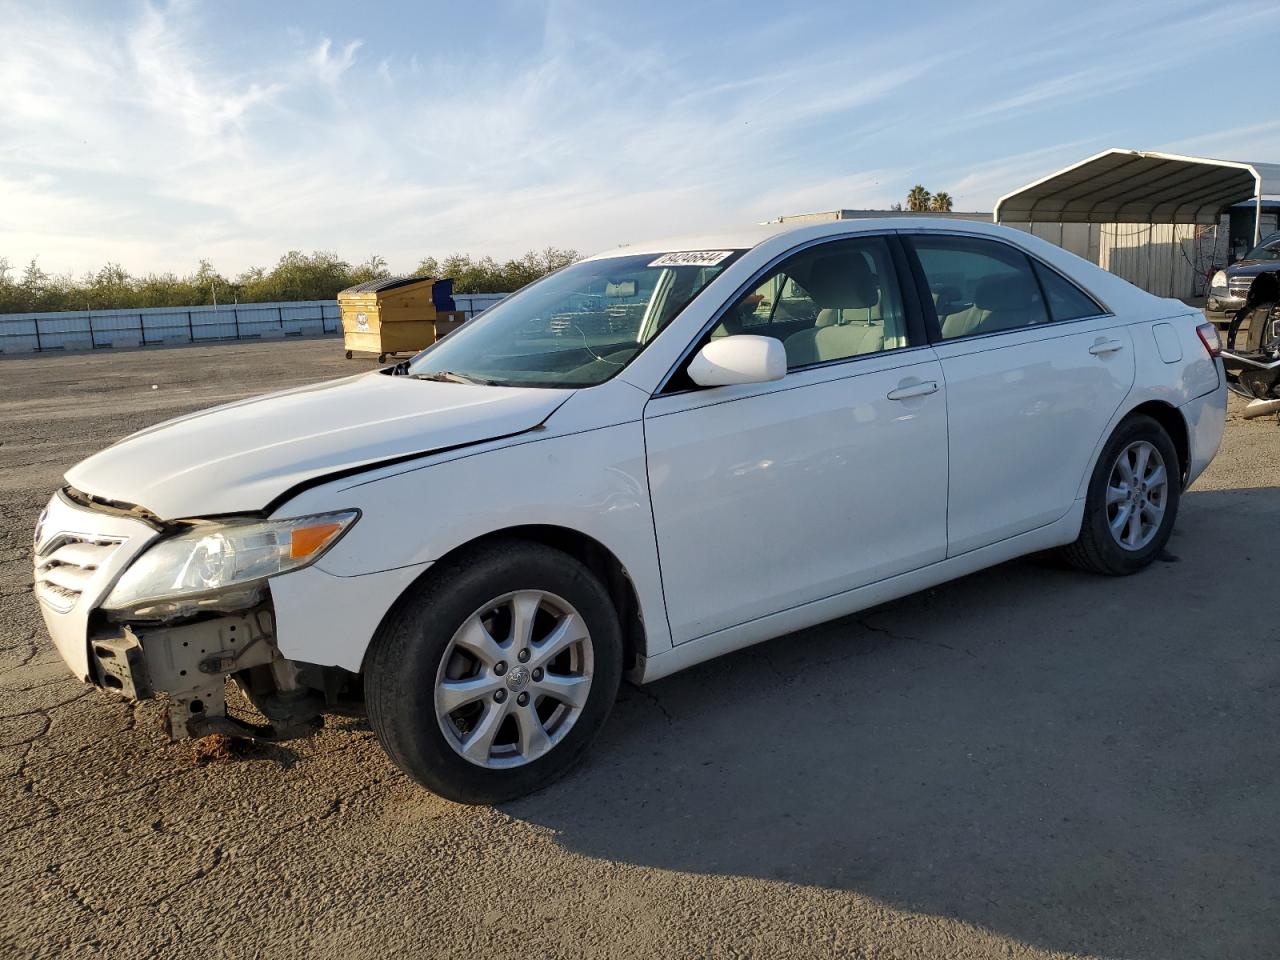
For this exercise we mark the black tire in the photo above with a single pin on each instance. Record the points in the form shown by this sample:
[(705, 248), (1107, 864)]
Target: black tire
[(402, 663), (382, 358), (348, 354), (1095, 549)]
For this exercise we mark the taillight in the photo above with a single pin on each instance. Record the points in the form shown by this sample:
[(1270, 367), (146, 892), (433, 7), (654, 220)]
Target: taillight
[(1209, 337)]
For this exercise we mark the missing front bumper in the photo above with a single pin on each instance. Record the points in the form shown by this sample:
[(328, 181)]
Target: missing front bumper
[(190, 664)]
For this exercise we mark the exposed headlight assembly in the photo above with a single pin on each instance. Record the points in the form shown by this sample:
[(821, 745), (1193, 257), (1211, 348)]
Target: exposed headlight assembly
[(1219, 281), (221, 566)]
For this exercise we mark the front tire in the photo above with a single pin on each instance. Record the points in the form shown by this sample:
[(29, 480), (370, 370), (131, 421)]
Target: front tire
[(1132, 502), (492, 675)]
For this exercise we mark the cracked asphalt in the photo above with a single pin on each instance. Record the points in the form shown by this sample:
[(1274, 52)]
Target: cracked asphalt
[(1030, 762)]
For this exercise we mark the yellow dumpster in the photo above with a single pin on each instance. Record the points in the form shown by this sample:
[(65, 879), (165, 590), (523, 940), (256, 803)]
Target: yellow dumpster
[(386, 317)]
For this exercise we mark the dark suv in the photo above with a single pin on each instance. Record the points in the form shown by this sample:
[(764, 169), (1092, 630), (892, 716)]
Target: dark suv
[(1229, 287)]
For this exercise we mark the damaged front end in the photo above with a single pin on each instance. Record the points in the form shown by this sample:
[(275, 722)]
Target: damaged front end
[(190, 662), (1252, 355), (145, 608)]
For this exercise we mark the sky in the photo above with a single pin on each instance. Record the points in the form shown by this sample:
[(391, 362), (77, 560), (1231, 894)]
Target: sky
[(155, 134)]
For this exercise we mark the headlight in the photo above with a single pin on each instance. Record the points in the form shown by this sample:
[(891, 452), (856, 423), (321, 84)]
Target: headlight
[(1219, 281), (222, 565)]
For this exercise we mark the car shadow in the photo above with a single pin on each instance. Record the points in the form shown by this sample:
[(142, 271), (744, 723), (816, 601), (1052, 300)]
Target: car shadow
[(1077, 762)]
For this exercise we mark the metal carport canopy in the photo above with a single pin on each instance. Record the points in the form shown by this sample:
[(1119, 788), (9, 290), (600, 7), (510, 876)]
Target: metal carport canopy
[(1135, 186)]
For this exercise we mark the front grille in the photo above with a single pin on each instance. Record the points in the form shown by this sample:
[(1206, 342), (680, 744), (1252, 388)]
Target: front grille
[(67, 564), (1239, 286)]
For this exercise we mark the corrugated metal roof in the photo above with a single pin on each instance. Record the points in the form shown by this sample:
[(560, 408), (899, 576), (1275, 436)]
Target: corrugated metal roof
[(391, 283), (1133, 186)]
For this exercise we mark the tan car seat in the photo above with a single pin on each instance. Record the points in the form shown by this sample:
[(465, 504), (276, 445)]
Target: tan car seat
[(1002, 302), (841, 285)]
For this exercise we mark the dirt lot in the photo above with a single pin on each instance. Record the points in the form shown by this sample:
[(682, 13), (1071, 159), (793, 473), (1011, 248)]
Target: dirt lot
[(1029, 762)]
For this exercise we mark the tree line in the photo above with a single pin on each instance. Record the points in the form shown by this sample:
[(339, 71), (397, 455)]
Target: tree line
[(297, 276)]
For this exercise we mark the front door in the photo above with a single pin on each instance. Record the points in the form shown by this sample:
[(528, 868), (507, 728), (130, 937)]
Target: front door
[(769, 496)]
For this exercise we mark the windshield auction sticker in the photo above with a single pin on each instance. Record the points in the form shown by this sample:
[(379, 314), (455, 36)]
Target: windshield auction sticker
[(691, 258)]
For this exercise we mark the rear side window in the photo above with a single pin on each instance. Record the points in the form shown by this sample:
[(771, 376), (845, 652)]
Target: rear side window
[(979, 286), (1066, 300)]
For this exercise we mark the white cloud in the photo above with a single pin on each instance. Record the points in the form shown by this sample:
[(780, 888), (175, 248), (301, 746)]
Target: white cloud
[(329, 67), (141, 139), (980, 189), (1253, 141), (148, 151)]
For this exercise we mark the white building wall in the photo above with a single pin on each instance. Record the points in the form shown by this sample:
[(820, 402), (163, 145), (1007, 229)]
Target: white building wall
[(1168, 260)]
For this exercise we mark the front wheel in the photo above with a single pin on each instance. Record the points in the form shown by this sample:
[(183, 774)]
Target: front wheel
[(1132, 501), (492, 676)]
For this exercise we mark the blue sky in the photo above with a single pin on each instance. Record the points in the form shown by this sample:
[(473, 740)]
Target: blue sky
[(155, 134)]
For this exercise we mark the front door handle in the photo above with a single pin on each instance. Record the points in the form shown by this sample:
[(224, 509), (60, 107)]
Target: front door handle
[(1101, 347), (906, 391)]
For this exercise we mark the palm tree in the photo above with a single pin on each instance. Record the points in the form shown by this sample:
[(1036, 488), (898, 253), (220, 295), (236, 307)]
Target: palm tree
[(941, 202), (918, 199)]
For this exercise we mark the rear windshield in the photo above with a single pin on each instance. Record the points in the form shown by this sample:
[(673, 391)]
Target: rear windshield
[(577, 327)]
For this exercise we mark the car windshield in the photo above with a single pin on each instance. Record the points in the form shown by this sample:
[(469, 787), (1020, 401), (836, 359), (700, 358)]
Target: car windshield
[(1268, 249), (575, 328)]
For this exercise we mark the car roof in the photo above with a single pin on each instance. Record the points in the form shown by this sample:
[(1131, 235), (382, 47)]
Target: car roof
[(1103, 286), (746, 238)]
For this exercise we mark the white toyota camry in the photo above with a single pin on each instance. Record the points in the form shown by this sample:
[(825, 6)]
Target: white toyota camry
[(650, 458)]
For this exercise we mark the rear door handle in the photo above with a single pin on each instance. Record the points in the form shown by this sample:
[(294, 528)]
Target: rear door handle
[(1101, 347), (908, 390)]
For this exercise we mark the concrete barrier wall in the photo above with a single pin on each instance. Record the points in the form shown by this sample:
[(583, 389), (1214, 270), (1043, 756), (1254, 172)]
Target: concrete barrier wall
[(105, 329)]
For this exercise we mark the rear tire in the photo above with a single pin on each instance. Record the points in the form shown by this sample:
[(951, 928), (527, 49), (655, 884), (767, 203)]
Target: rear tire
[(456, 633), (1132, 502)]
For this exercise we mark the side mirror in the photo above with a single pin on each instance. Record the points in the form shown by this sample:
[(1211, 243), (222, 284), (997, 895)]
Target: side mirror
[(739, 359)]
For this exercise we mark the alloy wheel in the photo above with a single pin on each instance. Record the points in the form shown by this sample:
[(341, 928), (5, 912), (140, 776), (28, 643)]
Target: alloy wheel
[(1137, 495), (514, 679)]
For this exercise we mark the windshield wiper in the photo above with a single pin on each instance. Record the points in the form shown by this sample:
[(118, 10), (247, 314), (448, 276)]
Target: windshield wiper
[(448, 376)]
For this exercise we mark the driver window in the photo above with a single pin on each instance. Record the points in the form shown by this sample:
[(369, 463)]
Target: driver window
[(829, 302)]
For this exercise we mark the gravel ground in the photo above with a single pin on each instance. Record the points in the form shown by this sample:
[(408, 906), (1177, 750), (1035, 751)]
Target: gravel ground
[(1029, 762)]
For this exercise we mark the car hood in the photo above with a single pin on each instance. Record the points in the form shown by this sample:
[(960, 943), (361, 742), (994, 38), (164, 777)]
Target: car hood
[(1251, 268), (240, 457)]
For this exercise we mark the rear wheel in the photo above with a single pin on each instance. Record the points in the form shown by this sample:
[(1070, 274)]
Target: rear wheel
[(1132, 501), (492, 677)]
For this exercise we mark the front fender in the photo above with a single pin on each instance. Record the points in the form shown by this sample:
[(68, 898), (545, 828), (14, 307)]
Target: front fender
[(593, 482)]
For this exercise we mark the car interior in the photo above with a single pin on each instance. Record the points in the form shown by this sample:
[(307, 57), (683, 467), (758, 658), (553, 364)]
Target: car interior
[(1001, 301), (829, 304), (979, 287)]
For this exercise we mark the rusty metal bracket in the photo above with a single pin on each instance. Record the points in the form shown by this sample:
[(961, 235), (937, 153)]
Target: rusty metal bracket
[(229, 661), (119, 665)]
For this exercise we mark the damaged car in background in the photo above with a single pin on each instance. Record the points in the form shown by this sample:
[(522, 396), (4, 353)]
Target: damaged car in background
[(1252, 356), (642, 461)]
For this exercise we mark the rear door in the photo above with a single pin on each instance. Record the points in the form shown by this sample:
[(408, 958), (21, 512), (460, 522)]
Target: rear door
[(1034, 368)]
